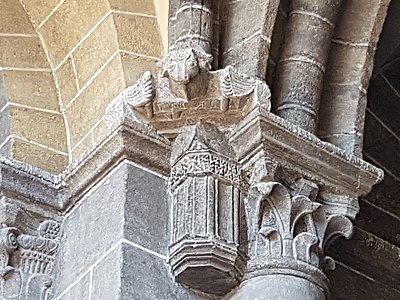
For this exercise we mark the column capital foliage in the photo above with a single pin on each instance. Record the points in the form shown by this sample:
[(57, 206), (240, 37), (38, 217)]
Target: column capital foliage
[(27, 261)]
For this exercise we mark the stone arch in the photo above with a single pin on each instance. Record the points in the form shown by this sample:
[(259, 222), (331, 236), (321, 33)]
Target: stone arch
[(32, 125), (94, 49), (350, 64)]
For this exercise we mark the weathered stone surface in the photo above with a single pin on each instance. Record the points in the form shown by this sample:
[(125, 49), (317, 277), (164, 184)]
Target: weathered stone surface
[(350, 284), (147, 201), (107, 276), (154, 281), (79, 291), (381, 223), (13, 18), (206, 208), (284, 287), (65, 28), (101, 213), (187, 92), (39, 156), (89, 57), (302, 64), (34, 89), (27, 261), (22, 52)]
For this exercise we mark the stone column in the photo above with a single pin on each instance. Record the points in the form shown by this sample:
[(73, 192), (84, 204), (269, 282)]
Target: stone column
[(301, 68), (301, 195), (195, 24), (206, 209), (287, 236)]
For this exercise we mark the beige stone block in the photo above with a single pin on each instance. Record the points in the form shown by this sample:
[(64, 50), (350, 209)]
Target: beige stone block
[(13, 18), (83, 148), (100, 132), (67, 82), (69, 24), (22, 52), (39, 156), (139, 34), (39, 9), (38, 126), (84, 112), (35, 89), (135, 6), (134, 66), (95, 50)]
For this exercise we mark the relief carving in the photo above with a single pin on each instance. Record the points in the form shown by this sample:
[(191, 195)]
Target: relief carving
[(206, 202), (288, 227), (186, 92), (28, 275)]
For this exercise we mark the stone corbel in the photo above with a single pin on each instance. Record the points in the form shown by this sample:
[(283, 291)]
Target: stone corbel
[(186, 92), (205, 186), (27, 261)]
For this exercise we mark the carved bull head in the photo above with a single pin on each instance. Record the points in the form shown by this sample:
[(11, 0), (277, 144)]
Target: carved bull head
[(183, 65)]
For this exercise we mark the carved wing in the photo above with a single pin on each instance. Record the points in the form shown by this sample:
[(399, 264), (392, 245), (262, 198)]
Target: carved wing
[(141, 93), (234, 84)]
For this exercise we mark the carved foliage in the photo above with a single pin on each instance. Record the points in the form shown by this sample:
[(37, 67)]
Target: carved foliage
[(291, 224), (28, 276)]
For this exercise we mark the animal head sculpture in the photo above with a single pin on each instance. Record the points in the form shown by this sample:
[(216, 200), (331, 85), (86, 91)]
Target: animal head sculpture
[(183, 65)]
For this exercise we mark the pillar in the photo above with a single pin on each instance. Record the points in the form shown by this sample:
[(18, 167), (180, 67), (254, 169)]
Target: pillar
[(301, 68)]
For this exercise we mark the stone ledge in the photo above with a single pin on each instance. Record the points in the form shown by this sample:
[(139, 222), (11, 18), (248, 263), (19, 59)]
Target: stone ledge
[(298, 149), (127, 141)]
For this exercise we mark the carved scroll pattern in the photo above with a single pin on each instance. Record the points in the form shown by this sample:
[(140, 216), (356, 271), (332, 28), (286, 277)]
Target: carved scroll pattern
[(203, 163), (29, 274)]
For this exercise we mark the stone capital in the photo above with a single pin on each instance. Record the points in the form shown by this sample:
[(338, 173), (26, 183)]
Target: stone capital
[(26, 263)]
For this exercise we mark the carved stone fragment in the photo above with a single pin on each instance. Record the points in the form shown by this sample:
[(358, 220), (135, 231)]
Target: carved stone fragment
[(186, 92), (27, 261), (205, 187), (289, 230)]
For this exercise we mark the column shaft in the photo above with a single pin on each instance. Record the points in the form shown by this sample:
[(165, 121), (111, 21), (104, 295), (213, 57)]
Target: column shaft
[(302, 64)]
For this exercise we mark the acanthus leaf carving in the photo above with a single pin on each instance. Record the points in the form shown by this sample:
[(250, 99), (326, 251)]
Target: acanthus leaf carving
[(288, 222), (29, 275)]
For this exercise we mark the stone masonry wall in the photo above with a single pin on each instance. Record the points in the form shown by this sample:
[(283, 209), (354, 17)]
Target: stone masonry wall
[(62, 63), (115, 241)]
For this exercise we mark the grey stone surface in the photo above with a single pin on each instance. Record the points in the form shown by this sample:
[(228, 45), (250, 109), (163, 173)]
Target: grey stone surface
[(302, 193), (282, 287), (80, 291), (131, 203), (347, 284), (91, 229), (147, 210), (145, 276), (107, 277)]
